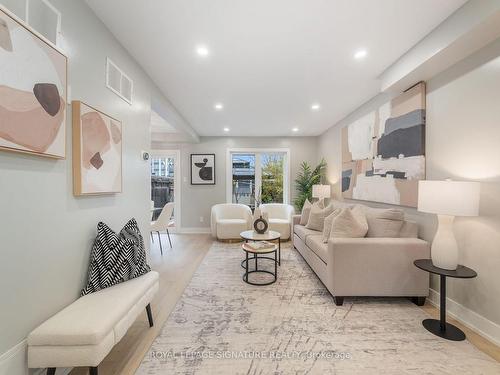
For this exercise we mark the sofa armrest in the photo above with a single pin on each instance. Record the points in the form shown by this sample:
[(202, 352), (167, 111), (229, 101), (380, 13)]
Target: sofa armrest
[(295, 220)]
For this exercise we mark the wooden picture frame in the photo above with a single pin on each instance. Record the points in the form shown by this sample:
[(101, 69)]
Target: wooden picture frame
[(202, 169), (35, 103), (97, 151)]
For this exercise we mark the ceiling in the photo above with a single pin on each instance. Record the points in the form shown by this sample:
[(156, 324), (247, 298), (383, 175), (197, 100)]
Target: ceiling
[(269, 60), (159, 124)]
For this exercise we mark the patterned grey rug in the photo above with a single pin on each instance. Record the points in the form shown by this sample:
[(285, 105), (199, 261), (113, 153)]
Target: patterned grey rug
[(222, 325)]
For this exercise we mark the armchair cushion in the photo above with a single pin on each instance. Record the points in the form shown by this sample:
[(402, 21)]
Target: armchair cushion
[(228, 220)]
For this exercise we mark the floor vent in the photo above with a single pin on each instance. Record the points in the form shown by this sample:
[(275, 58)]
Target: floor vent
[(118, 82)]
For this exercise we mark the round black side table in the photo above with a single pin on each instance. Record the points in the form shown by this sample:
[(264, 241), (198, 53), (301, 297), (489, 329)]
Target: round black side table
[(256, 253), (440, 327)]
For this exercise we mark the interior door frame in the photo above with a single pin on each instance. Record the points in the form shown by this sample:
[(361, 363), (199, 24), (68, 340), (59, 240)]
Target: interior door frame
[(287, 169), (176, 154)]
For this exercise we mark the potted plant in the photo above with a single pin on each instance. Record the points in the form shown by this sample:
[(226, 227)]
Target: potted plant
[(305, 180)]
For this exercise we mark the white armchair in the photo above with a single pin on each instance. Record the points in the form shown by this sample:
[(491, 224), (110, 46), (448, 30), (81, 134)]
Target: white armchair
[(280, 218), (228, 220)]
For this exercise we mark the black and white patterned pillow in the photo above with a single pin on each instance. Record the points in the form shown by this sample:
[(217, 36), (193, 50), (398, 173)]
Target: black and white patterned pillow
[(115, 257)]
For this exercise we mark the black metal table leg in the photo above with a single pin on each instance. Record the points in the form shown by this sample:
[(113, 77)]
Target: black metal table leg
[(440, 327), (246, 267), (279, 251), (275, 266)]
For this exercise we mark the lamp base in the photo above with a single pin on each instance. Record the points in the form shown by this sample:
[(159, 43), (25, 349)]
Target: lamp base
[(444, 250)]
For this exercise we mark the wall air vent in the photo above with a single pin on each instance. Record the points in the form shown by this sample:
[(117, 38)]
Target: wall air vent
[(44, 18), (118, 82)]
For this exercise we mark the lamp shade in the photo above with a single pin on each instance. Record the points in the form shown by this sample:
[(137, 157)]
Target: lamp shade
[(321, 191), (454, 198)]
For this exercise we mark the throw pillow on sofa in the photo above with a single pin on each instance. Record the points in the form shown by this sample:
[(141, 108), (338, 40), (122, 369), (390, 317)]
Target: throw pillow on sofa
[(317, 216), (349, 223), (306, 210), (327, 227), (384, 222), (116, 258)]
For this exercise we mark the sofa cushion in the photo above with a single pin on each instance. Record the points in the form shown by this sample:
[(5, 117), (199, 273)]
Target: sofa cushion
[(327, 227), (409, 230), (349, 223), (316, 244), (317, 216), (306, 210), (91, 318), (302, 232), (384, 222)]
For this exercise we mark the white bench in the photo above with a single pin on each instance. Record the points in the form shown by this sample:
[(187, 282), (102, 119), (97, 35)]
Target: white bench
[(83, 333)]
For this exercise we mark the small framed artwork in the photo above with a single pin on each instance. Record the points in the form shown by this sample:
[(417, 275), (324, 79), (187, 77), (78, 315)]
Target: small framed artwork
[(97, 151), (32, 91), (202, 169)]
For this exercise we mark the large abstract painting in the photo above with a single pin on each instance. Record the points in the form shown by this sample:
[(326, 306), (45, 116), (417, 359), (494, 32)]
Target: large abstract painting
[(383, 153), (32, 92), (97, 151)]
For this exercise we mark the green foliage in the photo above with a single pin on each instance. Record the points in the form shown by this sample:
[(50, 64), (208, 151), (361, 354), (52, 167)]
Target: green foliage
[(305, 180), (272, 180)]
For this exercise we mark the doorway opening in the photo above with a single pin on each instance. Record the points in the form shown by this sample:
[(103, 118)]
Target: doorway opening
[(165, 174)]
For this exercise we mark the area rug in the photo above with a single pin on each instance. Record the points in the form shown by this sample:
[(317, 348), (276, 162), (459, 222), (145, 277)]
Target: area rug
[(222, 325)]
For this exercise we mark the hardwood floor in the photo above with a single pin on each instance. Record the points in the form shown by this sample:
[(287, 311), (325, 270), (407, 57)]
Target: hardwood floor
[(176, 268)]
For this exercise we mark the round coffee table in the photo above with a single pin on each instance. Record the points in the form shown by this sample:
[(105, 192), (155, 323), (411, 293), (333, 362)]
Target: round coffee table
[(272, 235), (256, 252)]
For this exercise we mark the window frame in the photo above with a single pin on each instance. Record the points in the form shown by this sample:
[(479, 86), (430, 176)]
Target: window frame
[(258, 177)]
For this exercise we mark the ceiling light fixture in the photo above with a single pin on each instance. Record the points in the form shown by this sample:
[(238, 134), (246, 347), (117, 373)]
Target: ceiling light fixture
[(219, 106), (226, 130), (315, 107), (360, 54), (202, 51), (295, 130)]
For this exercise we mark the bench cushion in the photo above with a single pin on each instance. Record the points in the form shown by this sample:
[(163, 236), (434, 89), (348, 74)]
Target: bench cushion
[(91, 319)]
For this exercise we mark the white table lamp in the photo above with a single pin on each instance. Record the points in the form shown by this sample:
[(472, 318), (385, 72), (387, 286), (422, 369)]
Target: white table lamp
[(321, 191), (447, 199)]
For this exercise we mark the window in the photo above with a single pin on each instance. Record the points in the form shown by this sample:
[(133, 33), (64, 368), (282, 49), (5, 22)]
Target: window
[(258, 174), (162, 182)]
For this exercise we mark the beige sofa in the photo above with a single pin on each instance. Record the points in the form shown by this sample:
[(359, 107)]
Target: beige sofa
[(367, 266)]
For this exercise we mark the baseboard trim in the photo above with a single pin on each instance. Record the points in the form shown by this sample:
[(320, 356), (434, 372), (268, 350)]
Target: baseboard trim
[(469, 318), (14, 361), (202, 230)]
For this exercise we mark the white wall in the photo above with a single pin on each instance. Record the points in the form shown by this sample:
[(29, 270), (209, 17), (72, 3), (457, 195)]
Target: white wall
[(46, 233), (198, 200), (462, 142)]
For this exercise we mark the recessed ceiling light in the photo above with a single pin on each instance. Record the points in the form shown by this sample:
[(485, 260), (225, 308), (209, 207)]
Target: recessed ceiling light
[(219, 106), (202, 51), (360, 54), (295, 130), (226, 130), (315, 107)]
